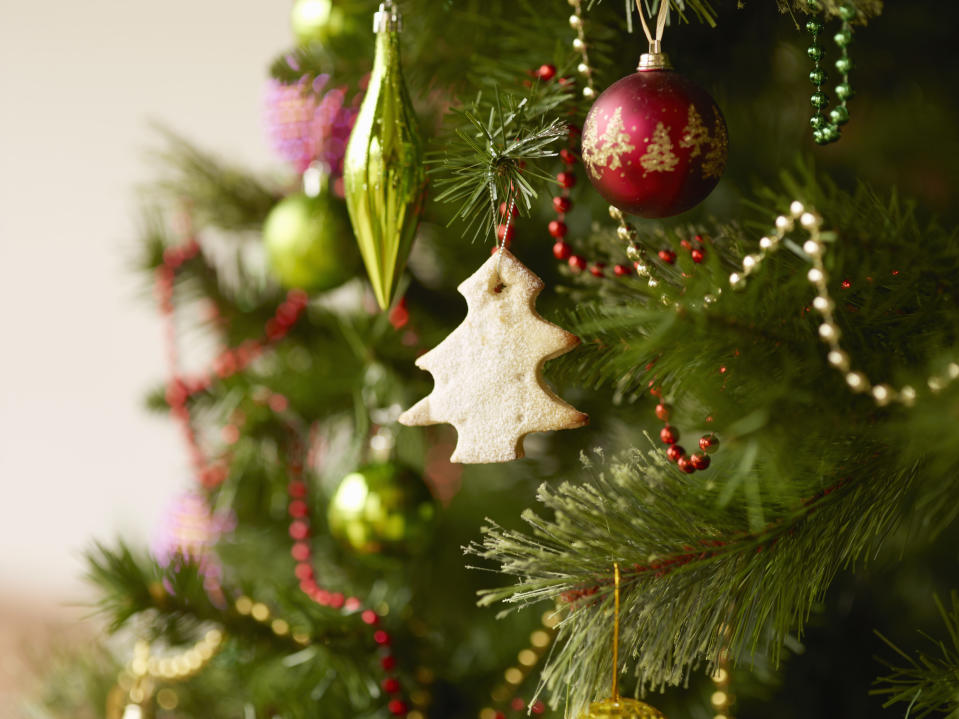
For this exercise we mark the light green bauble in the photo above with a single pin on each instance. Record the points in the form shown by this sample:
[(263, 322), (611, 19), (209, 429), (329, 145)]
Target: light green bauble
[(316, 20), (382, 509), (308, 242)]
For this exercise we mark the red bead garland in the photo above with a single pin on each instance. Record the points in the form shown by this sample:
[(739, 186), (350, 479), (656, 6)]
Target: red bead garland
[(670, 435), (230, 361)]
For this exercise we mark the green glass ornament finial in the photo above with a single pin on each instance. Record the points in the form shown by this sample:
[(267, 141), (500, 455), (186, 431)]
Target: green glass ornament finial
[(383, 172)]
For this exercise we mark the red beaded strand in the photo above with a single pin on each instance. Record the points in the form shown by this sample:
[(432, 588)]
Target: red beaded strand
[(298, 509), (669, 435), (180, 389)]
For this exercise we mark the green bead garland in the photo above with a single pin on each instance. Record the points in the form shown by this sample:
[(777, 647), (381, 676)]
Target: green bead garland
[(826, 128)]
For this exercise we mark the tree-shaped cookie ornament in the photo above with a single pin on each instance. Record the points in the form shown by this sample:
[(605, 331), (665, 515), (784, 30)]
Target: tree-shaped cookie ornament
[(488, 372)]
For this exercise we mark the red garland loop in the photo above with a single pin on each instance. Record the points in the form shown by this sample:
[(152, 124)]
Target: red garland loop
[(717, 547), (301, 552), (211, 474)]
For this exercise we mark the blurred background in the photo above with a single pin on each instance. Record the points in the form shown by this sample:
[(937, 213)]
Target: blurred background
[(81, 84)]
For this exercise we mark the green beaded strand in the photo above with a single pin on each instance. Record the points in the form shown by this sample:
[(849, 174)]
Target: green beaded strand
[(825, 131)]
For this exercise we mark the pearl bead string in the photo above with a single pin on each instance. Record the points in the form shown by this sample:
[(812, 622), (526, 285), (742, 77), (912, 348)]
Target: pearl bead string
[(829, 333), (579, 44), (721, 698), (136, 684), (527, 659)]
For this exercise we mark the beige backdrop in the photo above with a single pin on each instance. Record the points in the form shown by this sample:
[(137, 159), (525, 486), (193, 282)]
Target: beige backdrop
[(79, 84)]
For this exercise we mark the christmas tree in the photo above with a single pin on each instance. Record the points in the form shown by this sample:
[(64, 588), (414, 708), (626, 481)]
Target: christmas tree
[(761, 511)]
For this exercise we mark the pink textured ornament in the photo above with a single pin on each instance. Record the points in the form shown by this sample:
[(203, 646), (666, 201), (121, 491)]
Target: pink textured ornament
[(187, 533), (305, 124), (654, 143)]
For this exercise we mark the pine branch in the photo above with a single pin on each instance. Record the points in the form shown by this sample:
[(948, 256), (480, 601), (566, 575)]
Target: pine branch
[(178, 602), (215, 192), (491, 153), (929, 684), (692, 568)]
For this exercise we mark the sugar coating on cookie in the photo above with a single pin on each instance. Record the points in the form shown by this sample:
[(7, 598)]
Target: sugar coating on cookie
[(488, 372)]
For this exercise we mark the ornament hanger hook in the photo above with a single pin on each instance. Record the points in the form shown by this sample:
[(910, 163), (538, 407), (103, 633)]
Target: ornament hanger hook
[(615, 691), (654, 59), (387, 18)]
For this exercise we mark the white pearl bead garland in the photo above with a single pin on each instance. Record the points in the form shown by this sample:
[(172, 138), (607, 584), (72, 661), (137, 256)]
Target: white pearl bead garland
[(579, 44), (829, 332)]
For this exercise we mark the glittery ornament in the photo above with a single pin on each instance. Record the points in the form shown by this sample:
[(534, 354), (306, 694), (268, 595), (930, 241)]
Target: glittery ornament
[(306, 124), (383, 174), (308, 242), (654, 143), (622, 708), (382, 508), (488, 372)]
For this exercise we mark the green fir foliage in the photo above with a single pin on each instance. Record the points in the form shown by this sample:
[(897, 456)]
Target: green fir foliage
[(929, 682)]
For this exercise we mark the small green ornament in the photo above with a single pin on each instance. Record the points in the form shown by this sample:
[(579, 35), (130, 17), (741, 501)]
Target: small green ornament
[(383, 169), (844, 64), (817, 76), (382, 509), (315, 20), (308, 242), (818, 100), (815, 52), (817, 121)]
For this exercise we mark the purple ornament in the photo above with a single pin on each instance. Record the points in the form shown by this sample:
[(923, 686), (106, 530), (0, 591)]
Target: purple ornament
[(187, 533), (307, 125)]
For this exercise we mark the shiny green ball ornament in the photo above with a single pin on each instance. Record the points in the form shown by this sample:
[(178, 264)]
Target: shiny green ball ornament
[(382, 509), (383, 176), (308, 242), (315, 20)]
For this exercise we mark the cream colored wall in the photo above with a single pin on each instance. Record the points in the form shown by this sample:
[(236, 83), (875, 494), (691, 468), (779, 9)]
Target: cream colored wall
[(79, 83)]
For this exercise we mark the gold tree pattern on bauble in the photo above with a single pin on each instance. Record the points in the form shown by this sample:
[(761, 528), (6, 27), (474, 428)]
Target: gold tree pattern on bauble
[(488, 372)]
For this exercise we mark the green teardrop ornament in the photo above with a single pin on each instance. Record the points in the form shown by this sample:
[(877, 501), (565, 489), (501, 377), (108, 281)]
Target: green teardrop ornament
[(383, 174)]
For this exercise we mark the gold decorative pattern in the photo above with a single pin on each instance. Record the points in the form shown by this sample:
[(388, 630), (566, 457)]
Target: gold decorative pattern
[(715, 161), (605, 151), (695, 135), (659, 155)]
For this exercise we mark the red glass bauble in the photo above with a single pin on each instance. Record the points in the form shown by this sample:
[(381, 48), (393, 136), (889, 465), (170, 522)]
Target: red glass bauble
[(654, 144)]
